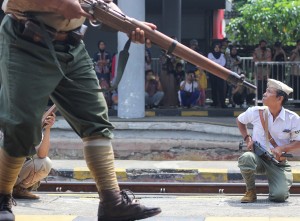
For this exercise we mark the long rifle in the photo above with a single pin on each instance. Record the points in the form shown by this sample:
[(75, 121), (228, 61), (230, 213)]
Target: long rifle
[(49, 112), (103, 13)]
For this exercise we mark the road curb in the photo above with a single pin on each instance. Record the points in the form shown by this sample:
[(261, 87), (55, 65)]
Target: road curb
[(169, 175)]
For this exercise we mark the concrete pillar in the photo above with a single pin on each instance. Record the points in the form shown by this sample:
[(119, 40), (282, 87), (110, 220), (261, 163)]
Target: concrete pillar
[(172, 18), (131, 90)]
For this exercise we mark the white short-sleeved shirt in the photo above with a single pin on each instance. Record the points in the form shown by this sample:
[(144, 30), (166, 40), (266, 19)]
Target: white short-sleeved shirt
[(190, 87), (284, 129)]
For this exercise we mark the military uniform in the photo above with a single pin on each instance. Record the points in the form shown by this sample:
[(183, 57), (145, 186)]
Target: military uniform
[(27, 83), (284, 129), (30, 73)]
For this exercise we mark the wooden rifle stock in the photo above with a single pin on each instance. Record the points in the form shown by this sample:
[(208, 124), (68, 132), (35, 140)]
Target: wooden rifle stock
[(103, 13), (51, 110)]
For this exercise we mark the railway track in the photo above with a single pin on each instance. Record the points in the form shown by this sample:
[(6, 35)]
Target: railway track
[(159, 187)]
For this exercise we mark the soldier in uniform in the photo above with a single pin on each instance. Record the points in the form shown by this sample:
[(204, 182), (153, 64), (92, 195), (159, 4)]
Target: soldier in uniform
[(277, 130), (30, 73)]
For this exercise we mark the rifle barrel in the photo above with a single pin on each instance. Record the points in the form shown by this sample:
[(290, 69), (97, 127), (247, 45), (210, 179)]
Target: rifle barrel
[(104, 14)]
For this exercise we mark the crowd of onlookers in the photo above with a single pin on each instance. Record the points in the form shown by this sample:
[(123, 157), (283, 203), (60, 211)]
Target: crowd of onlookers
[(264, 54), (181, 84)]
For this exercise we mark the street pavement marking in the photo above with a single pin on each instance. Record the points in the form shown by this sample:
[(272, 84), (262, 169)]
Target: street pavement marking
[(213, 175), (44, 218), (194, 113), (237, 113), (252, 218), (296, 175), (237, 218), (285, 219), (80, 195), (71, 218), (82, 173), (150, 113)]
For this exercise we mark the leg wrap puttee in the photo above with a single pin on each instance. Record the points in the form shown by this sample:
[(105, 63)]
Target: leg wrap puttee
[(99, 156)]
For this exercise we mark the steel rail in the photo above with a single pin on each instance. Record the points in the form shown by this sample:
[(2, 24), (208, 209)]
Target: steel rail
[(162, 187)]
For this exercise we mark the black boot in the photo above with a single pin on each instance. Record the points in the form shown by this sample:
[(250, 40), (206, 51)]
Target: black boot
[(6, 213), (117, 206)]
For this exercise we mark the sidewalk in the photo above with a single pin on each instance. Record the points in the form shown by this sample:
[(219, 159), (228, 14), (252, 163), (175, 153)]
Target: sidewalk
[(160, 171), (198, 112)]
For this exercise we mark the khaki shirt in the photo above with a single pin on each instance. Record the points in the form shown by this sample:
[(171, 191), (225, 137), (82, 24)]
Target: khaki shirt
[(52, 19)]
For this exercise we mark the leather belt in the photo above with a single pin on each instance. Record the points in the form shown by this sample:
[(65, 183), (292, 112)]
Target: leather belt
[(32, 31)]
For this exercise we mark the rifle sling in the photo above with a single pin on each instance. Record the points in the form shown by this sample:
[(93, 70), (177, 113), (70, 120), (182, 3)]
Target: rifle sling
[(269, 136)]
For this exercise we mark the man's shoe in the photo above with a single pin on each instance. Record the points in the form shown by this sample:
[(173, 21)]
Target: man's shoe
[(118, 206), (6, 202), (23, 193), (249, 197)]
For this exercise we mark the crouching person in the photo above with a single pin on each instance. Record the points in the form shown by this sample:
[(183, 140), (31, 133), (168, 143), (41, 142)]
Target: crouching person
[(36, 167), (189, 93), (276, 129)]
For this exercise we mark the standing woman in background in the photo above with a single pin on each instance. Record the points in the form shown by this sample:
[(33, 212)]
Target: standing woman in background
[(217, 84)]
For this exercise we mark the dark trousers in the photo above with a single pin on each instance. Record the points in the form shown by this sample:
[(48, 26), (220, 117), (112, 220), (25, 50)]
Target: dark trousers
[(29, 76), (218, 93)]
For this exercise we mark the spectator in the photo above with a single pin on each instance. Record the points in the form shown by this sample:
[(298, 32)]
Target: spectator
[(102, 61), (295, 76), (194, 46), (279, 55), (224, 46), (189, 91), (202, 82), (153, 90), (148, 57), (218, 88), (261, 54), (168, 81), (114, 99), (233, 62), (179, 74), (241, 97), (37, 167)]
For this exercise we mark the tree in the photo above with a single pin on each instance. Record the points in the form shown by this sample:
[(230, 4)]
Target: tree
[(271, 20)]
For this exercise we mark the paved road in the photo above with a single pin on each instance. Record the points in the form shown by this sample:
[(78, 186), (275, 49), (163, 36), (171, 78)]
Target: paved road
[(221, 207)]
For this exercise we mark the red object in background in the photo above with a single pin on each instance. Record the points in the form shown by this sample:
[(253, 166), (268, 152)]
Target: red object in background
[(113, 68), (218, 24)]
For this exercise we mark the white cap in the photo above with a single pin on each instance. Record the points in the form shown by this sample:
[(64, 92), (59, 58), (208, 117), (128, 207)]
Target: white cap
[(280, 86)]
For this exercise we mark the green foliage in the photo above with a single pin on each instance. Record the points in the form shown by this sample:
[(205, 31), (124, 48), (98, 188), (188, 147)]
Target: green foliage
[(271, 20)]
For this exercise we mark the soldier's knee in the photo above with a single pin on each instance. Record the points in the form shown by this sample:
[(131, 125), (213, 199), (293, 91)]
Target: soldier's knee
[(246, 160), (43, 165), (278, 196), (47, 164)]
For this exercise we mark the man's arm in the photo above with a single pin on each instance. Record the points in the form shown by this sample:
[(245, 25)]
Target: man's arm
[(159, 86), (285, 148), (245, 134), (43, 149)]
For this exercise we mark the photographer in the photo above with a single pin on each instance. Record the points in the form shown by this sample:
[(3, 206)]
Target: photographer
[(153, 90), (189, 93)]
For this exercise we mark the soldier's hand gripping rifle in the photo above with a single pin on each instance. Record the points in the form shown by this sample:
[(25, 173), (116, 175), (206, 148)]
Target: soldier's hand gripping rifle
[(264, 154), (103, 13)]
